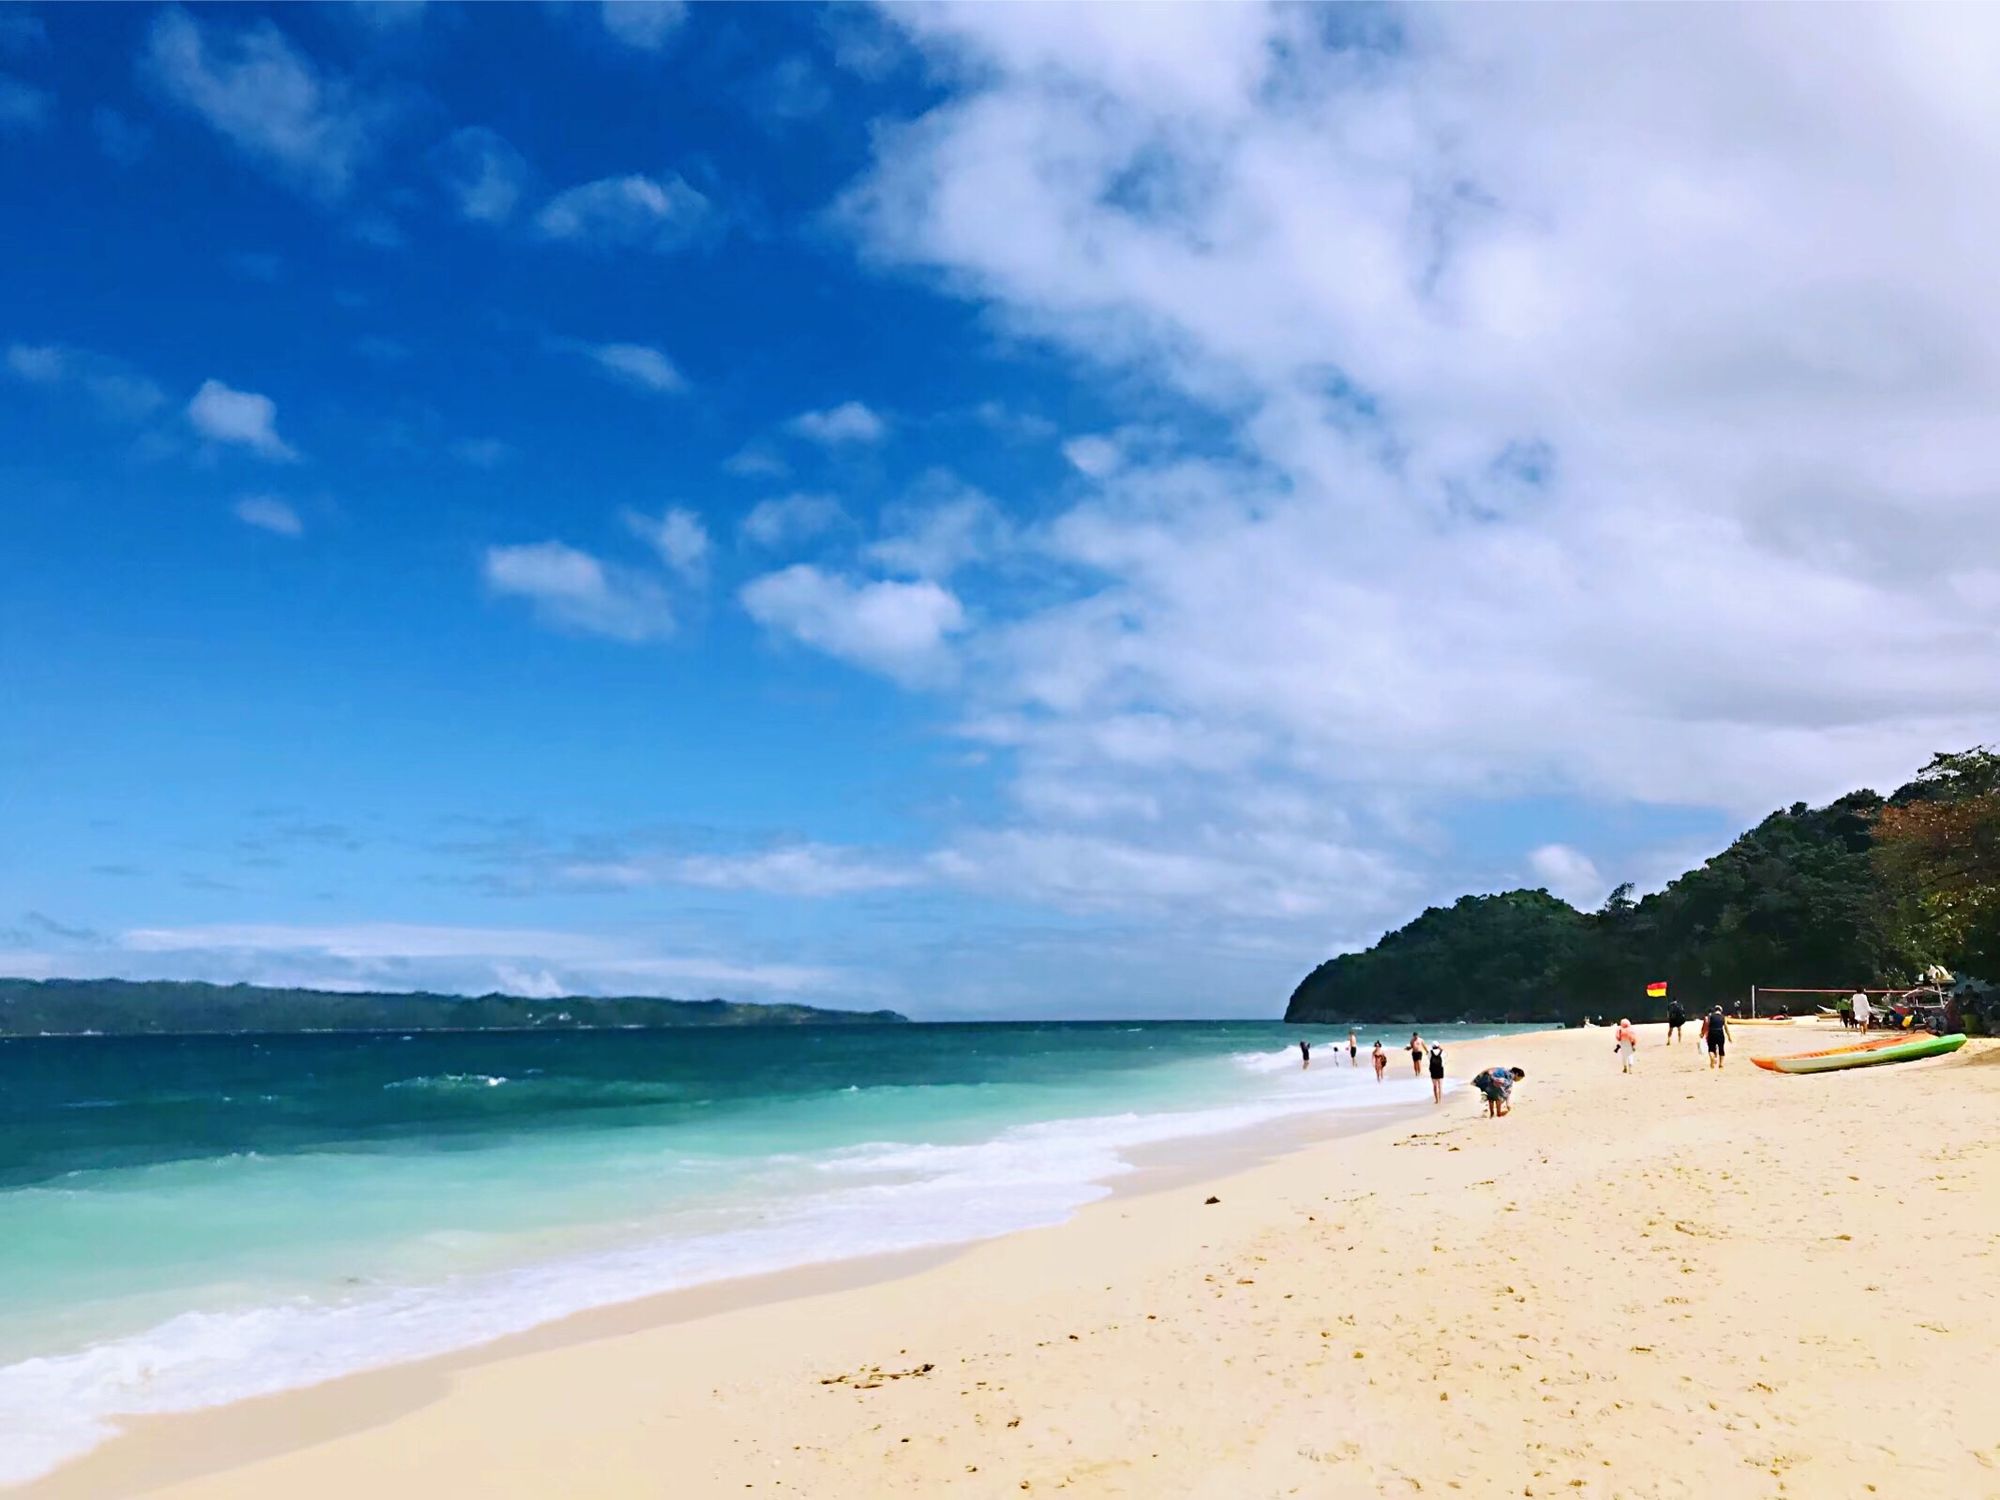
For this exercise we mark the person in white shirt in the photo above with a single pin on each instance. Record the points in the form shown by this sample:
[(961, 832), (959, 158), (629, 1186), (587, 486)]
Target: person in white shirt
[(1860, 1003)]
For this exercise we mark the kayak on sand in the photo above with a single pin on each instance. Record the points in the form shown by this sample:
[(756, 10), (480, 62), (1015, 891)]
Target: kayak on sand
[(1890, 1049)]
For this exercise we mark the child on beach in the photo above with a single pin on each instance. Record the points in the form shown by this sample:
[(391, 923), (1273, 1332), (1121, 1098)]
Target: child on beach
[(1497, 1084), (1626, 1043), (1381, 1061), (1416, 1055), (1437, 1073)]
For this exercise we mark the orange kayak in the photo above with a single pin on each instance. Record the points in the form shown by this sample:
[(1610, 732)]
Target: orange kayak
[(1886, 1039)]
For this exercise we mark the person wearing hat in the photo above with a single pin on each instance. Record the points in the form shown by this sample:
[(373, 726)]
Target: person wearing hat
[(1626, 1043)]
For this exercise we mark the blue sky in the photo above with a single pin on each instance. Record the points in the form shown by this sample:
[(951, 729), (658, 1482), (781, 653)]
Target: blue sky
[(992, 511)]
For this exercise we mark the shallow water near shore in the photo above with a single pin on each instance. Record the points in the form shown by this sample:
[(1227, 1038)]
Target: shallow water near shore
[(186, 1221)]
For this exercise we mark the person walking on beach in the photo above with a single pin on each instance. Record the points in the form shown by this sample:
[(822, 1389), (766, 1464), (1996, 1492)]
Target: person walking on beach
[(1416, 1056), (1862, 1014), (1381, 1062), (1626, 1043), (1305, 1053), (1497, 1084), (1676, 1018), (1715, 1032), (1437, 1074), (1353, 1049)]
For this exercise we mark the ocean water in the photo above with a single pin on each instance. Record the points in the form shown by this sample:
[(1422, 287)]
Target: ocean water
[(191, 1220)]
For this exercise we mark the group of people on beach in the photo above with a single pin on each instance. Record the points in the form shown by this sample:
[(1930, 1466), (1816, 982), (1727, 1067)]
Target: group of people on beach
[(1423, 1055)]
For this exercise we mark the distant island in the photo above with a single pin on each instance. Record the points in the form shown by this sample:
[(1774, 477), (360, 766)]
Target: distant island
[(1868, 890), (124, 1007)]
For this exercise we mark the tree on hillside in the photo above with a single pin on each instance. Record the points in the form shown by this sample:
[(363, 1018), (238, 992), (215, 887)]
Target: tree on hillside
[(1937, 846)]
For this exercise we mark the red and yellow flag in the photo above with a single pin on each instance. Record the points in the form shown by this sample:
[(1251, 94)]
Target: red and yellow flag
[(1657, 990)]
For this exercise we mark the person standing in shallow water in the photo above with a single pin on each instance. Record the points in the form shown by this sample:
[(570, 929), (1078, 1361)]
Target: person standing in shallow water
[(1305, 1053), (1381, 1062), (1416, 1055), (1353, 1049)]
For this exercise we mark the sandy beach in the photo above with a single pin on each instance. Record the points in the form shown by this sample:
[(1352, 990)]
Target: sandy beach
[(1672, 1283)]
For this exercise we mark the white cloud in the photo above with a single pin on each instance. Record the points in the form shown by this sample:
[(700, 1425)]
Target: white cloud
[(22, 105), (756, 461), (270, 514), (114, 387), (484, 176), (1568, 873), (634, 212), (940, 528), (243, 418), (810, 870), (789, 91), (645, 24), (573, 590), (1094, 455), (678, 536), (255, 89), (849, 422), (791, 519), (640, 365), (900, 629), (1591, 418)]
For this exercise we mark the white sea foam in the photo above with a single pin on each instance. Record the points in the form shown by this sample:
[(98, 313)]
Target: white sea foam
[(863, 1200)]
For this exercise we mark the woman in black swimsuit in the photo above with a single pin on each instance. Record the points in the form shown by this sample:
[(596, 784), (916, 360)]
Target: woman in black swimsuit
[(1437, 1073)]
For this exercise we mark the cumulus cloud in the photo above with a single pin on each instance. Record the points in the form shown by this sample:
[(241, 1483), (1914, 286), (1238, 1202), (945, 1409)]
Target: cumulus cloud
[(242, 418), (635, 212), (268, 513), (1594, 419), (311, 128), (573, 590), (836, 426), (889, 626), (678, 536), (483, 175), (645, 24), (1568, 873), (790, 519), (639, 365)]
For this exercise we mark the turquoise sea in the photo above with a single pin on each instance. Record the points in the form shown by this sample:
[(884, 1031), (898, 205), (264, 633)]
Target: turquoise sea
[(191, 1220)]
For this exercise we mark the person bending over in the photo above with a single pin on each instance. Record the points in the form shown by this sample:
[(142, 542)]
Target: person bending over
[(1497, 1084)]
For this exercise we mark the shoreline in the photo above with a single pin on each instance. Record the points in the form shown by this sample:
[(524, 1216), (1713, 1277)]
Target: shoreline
[(1144, 1166), (1094, 1335)]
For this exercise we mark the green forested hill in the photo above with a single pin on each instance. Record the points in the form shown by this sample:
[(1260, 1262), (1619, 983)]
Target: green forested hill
[(1866, 890), (33, 1006)]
